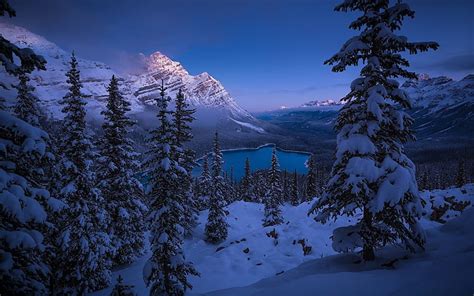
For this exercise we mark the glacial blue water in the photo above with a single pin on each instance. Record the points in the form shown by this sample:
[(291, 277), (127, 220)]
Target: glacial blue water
[(260, 158)]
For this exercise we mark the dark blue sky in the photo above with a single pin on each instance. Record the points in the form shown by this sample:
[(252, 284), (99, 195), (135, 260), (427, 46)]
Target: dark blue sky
[(266, 53)]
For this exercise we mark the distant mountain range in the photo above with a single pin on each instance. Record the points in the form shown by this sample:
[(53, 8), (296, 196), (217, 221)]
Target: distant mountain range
[(443, 108), (322, 103), (216, 108)]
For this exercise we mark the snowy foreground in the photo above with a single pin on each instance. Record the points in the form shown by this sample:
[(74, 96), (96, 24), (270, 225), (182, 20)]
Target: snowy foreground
[(253, 262)]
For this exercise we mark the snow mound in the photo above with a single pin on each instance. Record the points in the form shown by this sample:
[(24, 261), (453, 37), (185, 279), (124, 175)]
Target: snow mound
[(443, 205)]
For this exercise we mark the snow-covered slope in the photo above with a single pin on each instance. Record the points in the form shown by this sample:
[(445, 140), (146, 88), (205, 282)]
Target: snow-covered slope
[(445, 268), (442, 107), (201, 90), (253, 252), (51, 84)]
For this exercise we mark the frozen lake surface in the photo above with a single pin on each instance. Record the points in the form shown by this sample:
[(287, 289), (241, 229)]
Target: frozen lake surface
[(260, 158)]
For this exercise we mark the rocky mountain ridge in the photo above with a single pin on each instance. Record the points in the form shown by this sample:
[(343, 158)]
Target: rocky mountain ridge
[(201, 90)]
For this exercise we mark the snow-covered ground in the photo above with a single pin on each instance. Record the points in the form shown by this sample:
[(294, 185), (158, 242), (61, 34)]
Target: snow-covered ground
[(253, 262)]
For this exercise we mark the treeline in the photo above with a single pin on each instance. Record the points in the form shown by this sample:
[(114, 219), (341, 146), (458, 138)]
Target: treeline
[(442, 175), (254, 185)]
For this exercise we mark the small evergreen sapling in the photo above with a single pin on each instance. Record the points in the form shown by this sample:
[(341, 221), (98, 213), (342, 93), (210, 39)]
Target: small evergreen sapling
[(121, 289)]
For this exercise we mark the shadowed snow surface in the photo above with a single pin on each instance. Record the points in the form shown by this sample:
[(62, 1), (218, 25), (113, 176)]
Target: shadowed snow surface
[(250, 262)]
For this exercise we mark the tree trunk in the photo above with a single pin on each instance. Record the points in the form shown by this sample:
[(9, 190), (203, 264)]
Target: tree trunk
[(368, 250), (368, 253)]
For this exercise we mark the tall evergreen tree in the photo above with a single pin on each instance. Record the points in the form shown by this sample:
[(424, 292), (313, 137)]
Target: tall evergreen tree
[(293, 190), (122, 192), (167, 270), (371, 173), (311, 179), (246, 183), (273, 196), (216, 226), (85, 255), (182, 119)]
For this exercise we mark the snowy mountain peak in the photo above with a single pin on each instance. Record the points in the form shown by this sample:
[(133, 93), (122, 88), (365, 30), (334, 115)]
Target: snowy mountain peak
[(158, 62), (201, 90)]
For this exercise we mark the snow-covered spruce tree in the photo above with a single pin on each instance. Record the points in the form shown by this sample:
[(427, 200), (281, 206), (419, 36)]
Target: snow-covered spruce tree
[(371, 174), (22, 216), (26, 107), (216, 226), (166, 271), (293, 190), (85, 244), (311, 179), (182, 119), (24, 202), (122, 192), (230, 192), (273, 195), (204, 184), (260, 185), (246, 183)]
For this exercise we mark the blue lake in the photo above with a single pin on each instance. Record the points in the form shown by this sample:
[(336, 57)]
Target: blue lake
[(260, 158)]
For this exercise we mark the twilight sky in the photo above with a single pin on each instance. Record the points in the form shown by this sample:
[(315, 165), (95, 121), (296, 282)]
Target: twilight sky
[(267, 53)]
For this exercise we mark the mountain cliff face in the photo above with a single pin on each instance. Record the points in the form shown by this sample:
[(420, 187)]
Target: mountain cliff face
[(443, 107), (202, 91), (442, 92)]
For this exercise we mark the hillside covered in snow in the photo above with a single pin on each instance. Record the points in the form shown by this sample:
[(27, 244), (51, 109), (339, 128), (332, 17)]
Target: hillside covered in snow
[(298, 256)]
